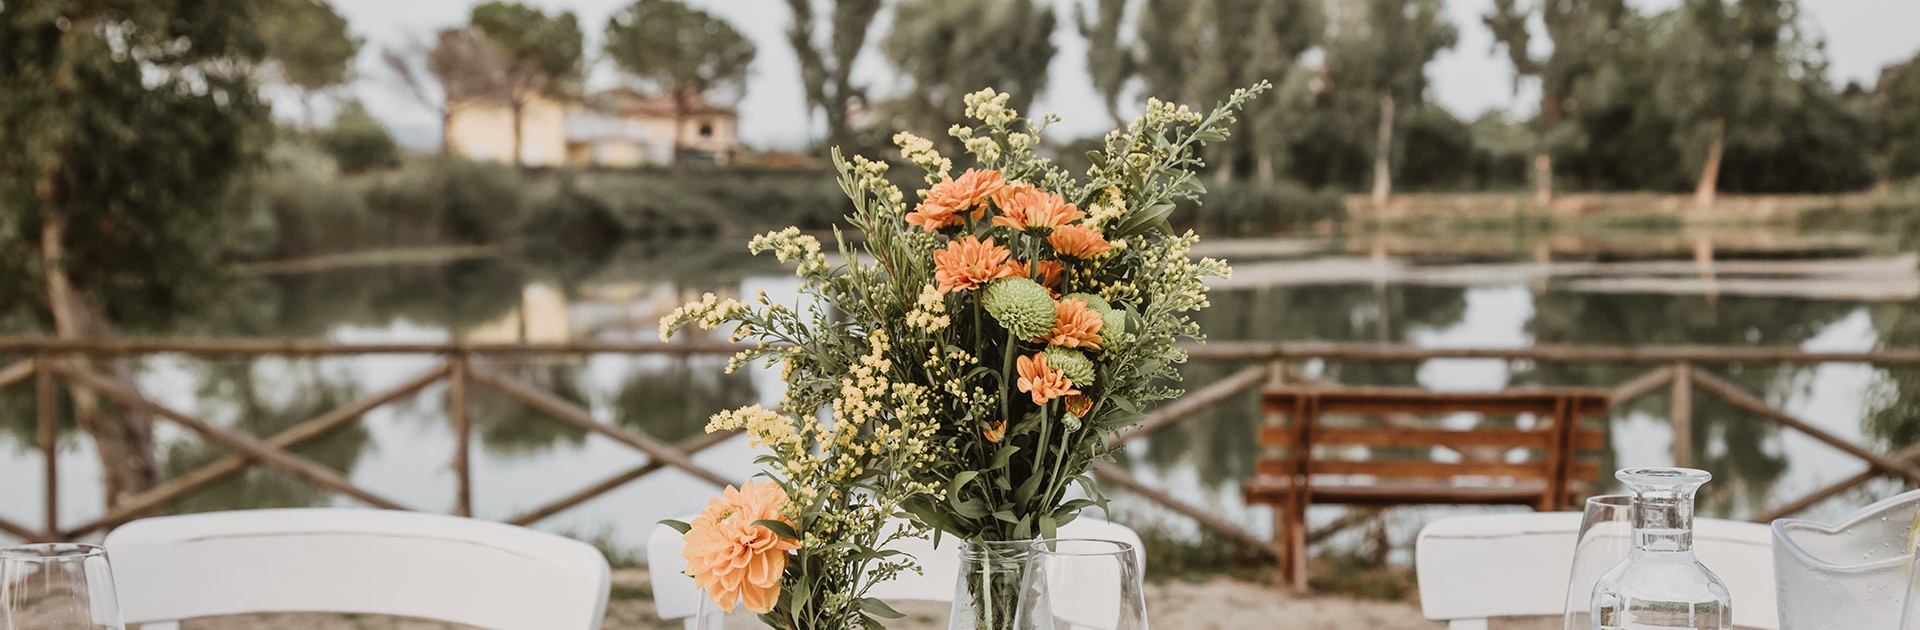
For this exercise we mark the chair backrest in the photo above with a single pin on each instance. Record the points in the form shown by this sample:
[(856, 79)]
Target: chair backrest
[(1472, 568), (675, 596), (430, 566)]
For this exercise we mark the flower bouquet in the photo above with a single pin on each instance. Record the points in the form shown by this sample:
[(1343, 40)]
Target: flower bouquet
[(965, 365)]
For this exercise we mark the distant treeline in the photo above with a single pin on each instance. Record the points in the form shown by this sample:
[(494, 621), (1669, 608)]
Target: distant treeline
[(299, 205)]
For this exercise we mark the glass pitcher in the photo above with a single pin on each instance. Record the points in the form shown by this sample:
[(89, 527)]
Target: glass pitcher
[(1849, 575)]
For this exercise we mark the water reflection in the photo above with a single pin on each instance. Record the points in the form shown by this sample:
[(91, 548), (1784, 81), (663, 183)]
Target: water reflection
[(263, 398), (620, 295)]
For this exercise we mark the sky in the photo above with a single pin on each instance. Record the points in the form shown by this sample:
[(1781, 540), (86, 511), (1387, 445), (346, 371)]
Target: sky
[(1472, 78)]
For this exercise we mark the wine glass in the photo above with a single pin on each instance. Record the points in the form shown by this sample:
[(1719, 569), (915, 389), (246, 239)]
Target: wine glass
[(1606, 534), (1082, 583), (57, 585)]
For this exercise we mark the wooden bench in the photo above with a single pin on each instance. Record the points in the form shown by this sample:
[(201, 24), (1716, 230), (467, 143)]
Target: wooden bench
[(1393, 462)]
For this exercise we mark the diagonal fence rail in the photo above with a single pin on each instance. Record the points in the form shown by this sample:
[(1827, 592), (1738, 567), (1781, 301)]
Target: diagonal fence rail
[(45, 362)]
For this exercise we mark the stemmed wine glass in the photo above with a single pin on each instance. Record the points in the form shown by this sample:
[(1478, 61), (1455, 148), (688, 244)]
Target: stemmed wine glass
[(57, 585), (1082, 583), (1606, 534)]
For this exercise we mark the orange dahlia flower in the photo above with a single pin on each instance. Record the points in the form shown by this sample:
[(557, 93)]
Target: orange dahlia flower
[(969, 263), (1074, 325), (1032, 208), (947, 200), (734, 559), (1045, 383), (1078, 241)]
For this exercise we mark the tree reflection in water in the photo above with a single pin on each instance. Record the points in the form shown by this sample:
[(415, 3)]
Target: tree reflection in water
[(264, 397), (1742, 450)]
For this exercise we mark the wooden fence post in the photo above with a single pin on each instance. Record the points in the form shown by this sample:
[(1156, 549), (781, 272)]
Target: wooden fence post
[(462, 434), (1682, 414), (47, 401)]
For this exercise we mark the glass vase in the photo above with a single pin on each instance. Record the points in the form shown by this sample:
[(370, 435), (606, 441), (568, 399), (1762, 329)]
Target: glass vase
[(1661, 586), (988, 590)]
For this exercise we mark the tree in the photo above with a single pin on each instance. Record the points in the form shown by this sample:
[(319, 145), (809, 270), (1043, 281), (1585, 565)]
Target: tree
[(310, 47), (1110, 61), (1897, 108), (1380, 48), (682, 51), (123, 124), (541, 55), (949, 48), (1582, 34), (465, 67), (1241, 42), (826, 68), (1729, 67)]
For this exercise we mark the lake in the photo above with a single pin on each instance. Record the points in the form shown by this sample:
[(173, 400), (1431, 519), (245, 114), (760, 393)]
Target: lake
[(1501, 289)]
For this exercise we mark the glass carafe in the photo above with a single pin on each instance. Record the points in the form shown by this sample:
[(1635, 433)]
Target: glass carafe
[(1661, 585)]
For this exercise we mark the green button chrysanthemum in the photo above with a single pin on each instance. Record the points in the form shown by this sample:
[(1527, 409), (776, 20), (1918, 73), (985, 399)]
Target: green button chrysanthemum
[(1094, 302), (1113, 323), (1071, 363), (1022, 305)]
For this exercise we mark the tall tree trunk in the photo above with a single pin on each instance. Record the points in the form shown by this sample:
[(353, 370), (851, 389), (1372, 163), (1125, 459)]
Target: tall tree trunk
[(1710, 174), (127, 458), (1263, 168), (1382, 152), (306, 105), (518, 106), (446, 129), (1543, 180), (680, 107)]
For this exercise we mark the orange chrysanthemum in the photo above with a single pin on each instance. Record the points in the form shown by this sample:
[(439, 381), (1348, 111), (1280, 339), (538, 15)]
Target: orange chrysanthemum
[(947, 200), (1004, 197), (1074, 326), (1032, 208), (969, 263), (1049, 273), (995, 431), (1079, 405), (1045, 383), (1078, 241), (733, 559)]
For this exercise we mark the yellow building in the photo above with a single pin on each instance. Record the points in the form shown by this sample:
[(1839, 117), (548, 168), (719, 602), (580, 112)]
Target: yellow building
[(617, 127)]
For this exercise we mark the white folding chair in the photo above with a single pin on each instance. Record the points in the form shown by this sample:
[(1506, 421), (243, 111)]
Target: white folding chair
[(1473, 568), (429, 566), (675, 596)]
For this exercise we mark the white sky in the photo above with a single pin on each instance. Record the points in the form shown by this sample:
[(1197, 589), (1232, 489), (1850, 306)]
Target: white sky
[(1862, 36)]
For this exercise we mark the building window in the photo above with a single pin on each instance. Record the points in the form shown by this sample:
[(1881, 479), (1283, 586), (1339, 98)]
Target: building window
[(706, 130)]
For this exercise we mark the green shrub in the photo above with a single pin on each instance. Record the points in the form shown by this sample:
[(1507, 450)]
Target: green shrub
[(357, 142), (449, 200), (1248, 209)]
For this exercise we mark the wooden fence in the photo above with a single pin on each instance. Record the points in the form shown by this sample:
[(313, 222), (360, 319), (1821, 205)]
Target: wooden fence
[(45, 361)]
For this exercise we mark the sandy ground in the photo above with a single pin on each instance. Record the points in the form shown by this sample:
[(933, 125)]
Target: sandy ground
[(1215, 604)]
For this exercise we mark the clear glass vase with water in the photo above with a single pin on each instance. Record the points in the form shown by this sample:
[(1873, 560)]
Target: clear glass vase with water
[(1661, 585)]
